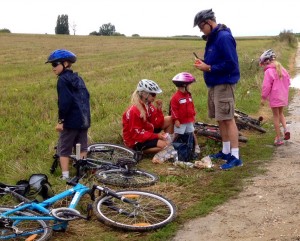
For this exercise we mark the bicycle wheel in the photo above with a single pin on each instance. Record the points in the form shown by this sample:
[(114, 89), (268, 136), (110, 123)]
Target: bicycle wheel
[(147, 211), (108, 152), (127, 178), (37, 230), (214, 135)]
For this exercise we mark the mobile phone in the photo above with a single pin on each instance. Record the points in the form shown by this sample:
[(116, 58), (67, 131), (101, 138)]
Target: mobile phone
[(196, 55)]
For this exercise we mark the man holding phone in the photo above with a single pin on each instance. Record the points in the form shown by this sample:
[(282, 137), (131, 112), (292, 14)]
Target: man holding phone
[(221, 73)]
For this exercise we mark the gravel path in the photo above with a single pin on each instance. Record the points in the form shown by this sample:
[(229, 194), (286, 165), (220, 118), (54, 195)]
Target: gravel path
[(268, 208)]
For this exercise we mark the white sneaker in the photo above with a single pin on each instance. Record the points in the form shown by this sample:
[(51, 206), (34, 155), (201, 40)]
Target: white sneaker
[(64, 178)]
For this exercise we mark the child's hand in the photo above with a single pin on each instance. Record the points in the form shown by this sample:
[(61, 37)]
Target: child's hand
[(161, 136), (159, 104), (177, 123), (262, 102), (59, 127)]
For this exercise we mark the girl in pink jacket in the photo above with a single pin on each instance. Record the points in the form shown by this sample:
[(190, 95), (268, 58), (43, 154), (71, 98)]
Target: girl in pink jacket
[(275, 89)]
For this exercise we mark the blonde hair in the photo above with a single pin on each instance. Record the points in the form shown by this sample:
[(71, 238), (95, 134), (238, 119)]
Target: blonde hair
[(278, 67), (136, 100)]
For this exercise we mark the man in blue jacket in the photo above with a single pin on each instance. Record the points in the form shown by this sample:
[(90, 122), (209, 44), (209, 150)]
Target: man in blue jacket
[(221, 73)]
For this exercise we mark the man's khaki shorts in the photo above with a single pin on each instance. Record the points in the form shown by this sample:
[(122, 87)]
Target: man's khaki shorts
[(221, 102)]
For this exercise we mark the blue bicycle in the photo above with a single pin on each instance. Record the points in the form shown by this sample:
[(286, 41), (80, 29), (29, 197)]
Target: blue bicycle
[(131, 210)]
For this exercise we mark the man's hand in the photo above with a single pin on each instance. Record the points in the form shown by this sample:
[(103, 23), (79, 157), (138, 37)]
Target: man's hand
[(203, 67)]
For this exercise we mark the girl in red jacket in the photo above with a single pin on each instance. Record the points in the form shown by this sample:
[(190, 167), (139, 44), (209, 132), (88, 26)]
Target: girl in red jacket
[(144, 125), (182, 106)]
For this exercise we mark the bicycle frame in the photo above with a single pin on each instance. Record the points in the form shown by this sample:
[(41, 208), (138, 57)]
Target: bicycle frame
[(78, 191)]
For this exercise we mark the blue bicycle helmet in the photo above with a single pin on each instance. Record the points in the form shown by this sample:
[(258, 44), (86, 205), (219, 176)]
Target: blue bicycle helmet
[(61, 55)]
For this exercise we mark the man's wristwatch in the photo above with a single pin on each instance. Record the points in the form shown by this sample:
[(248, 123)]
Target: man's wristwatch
[(61, 121), (209, 69)]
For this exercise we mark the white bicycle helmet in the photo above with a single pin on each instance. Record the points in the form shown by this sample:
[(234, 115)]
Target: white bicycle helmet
[(183, 79), (148, 86), (267, 55)]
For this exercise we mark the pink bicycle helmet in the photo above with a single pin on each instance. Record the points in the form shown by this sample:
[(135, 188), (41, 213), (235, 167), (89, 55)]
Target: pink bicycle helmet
[(183, 79)]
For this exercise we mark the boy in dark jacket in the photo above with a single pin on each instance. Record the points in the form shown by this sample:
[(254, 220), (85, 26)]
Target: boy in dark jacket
[(74, 116)]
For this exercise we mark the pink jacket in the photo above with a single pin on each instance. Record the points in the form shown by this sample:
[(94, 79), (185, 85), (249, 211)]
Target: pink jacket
[(274, 89)]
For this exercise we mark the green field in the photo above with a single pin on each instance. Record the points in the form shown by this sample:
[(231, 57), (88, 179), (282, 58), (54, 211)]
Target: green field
[(111, 68)]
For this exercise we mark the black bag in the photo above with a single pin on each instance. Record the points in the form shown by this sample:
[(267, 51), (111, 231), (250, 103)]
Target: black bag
[(39, 187), (185, 146)]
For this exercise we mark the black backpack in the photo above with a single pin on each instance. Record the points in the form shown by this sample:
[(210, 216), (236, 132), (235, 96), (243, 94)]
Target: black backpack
[(185, 146), (37, 188)]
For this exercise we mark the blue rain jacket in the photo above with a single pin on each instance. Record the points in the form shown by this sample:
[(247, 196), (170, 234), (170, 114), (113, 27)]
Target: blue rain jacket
[(221, 55)]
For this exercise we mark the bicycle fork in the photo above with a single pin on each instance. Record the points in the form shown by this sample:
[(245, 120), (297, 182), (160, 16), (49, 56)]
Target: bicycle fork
[(126, 199)]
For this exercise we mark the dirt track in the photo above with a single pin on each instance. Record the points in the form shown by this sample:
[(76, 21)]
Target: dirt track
[(268, 208)]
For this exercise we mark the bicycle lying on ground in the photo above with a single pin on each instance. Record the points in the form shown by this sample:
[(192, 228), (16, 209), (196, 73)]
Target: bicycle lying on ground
[(131, 210), (244, 121), (212, 132), (112, 164)]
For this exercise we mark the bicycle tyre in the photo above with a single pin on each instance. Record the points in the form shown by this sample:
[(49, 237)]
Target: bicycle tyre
[(31, 225), (152, 212), (108, 152), (210, 134), (251, 125), (127, 178)]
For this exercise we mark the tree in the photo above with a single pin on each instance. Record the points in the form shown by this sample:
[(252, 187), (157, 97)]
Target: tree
[(4, 30), (62, 24), (107, 29), (74, 28), (94, 33)]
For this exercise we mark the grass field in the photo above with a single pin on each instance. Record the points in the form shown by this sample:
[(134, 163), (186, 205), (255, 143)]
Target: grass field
[(111, 68)]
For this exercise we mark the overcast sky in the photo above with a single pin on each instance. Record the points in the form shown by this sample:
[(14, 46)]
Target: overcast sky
[(150, 17)]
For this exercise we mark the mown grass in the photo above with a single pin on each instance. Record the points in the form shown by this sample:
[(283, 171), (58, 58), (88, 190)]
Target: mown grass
[(111, 68)]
